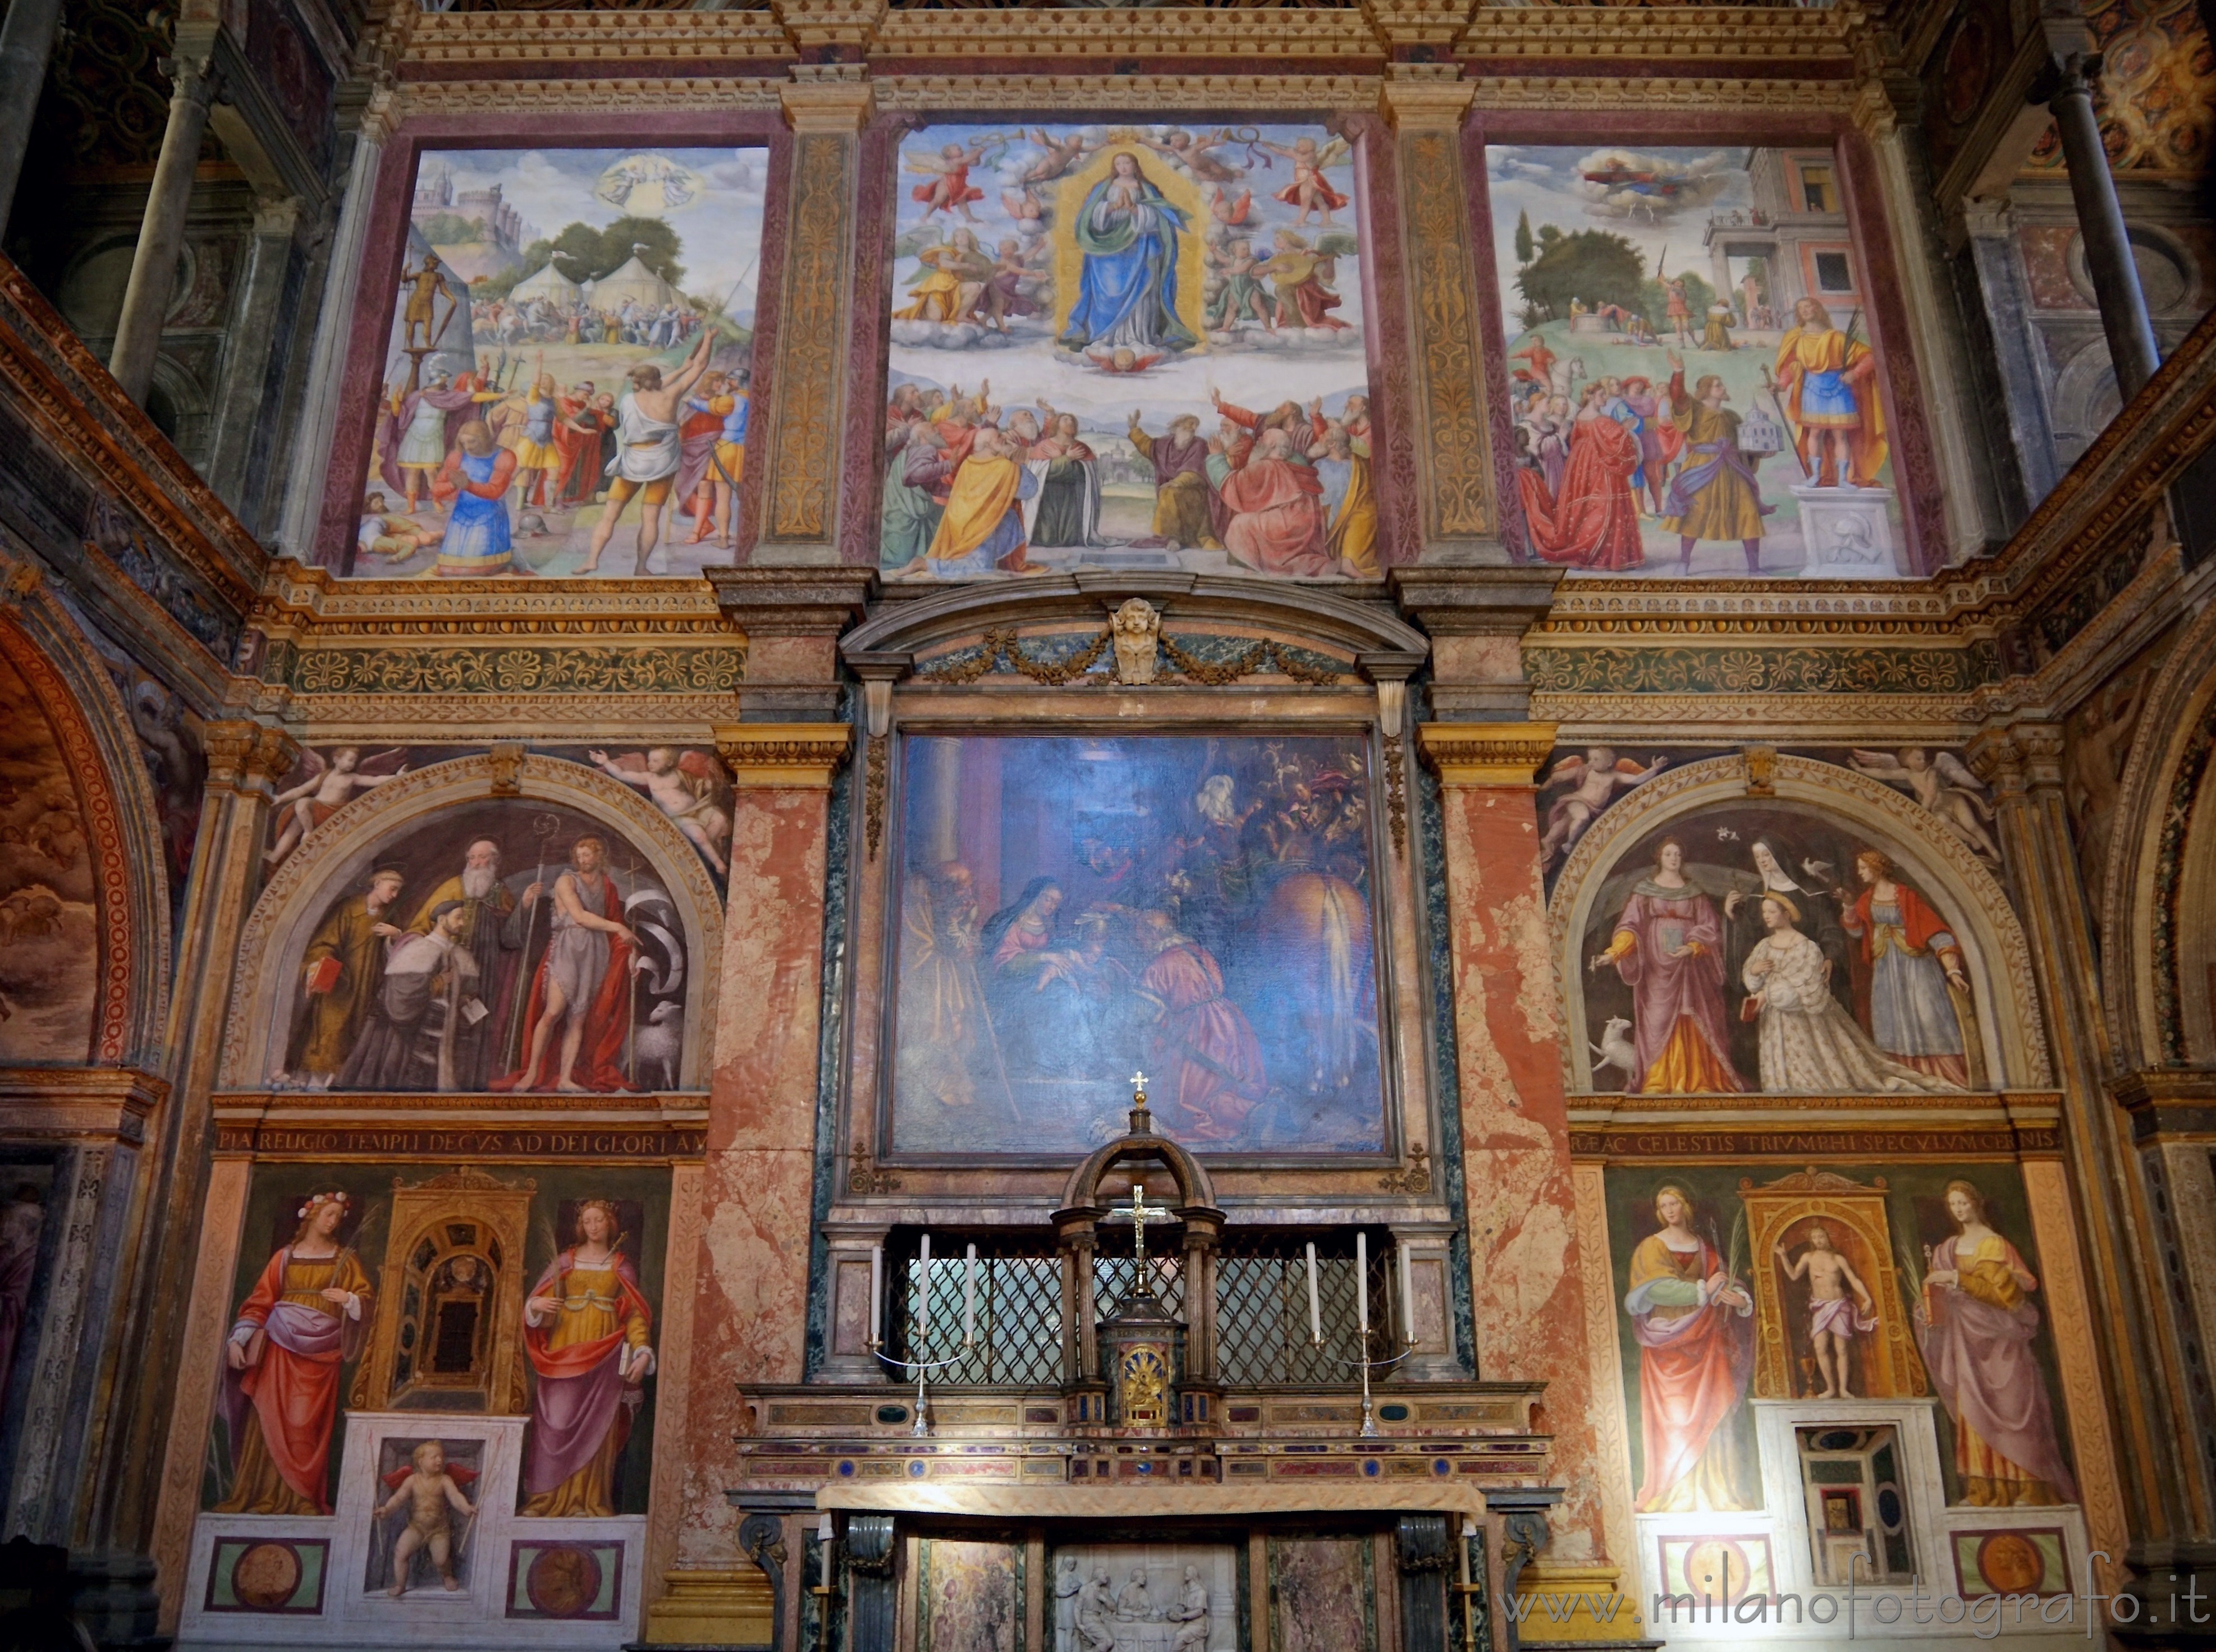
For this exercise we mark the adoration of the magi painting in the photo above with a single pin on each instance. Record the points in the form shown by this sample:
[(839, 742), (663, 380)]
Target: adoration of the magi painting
[(1128, 347)]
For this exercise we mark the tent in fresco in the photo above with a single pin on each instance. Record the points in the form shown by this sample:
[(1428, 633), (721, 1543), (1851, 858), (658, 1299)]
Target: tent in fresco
[(548, 284), (633, 283)]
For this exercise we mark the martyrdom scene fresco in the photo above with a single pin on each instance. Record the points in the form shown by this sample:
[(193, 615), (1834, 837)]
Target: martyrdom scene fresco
[(556, 1270), (567, 378), (1692, 379), (49, 918), (1128, 347), (1764, 948), (1868, 1283), (501, 946), (1074, 908)]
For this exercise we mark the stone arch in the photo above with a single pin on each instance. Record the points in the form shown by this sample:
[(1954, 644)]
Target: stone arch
[(1995, 951), (2157, 897), (300, 891), (70, 679)]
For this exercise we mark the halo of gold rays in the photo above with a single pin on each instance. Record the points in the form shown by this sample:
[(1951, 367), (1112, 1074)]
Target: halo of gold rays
[(1180, 192)]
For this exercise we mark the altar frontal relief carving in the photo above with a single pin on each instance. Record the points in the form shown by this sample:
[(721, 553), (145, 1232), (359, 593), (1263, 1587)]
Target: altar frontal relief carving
[(49, 918), (1128, 347), (1693, 382), (1073, 907), (1133, 1597), (566, 381), (503, 947), (1764, 948)]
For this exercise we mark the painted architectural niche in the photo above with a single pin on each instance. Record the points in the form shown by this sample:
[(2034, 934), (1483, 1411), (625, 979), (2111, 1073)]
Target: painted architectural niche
[(437, 1388), (1878, 1353), (566, 379), (1693, 384), (1072, 904), (499, 947), (1128, 347)]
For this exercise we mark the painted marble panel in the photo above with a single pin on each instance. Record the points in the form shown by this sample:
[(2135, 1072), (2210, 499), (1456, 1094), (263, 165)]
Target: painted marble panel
[(1322, 1595), (567, 376), (1150, 1596), (1693, 382), (1760, 946), (534, 1292), (49, 918), (503, 946), (1074, 908), (969, 1596), (1711, 1311), (1128, 347)]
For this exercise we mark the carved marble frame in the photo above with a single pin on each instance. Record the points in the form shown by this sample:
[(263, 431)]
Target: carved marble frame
[(1861, 181), (362, 378), (1996, 954), (1383, 287), (1374, 645), (302, 889)]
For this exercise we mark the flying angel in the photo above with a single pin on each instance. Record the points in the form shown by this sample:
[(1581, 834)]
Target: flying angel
[(1310, 189), (330, 787), (949, 189), (1060, 157), (1595, 779), (1942, 783)]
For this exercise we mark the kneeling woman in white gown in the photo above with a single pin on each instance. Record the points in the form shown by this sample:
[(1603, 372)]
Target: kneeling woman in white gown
[(1807, 1042)]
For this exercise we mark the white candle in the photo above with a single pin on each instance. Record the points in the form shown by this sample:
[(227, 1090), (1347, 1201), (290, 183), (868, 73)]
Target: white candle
[(877, 1294), (824, 1528), (969, 1297), (1315, 1308), (923, 1309), (1408, 1297), (1362, 1283)]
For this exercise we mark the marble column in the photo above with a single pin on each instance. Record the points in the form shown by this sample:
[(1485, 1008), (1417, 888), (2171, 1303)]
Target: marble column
[(2006, 297), (162, 232), (1527, 1279), (160, 1478), (2066, 89), (2151, 1408), (757, 1186), (1426, 105), (310, 466), (243, 398), (27, 41), (801, 476), (1970, 497)]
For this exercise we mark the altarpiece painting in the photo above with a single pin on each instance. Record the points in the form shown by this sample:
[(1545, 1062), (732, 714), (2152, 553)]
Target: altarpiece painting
[(1073, 907)]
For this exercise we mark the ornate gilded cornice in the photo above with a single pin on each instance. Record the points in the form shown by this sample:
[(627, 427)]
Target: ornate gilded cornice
[(1725, 33), (1485, 754), (784, 756), (1154, 33), (496, 40), (494, 94)]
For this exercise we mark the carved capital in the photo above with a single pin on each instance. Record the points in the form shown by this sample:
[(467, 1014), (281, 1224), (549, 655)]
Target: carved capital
[(247, 756), (1999, 761), (191, 80), (839, 108), (1417, 101), (2067, 75), (1501, 754), (784, 756)]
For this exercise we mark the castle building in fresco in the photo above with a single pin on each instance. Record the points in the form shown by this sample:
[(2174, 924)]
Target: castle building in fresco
[(1225, 827)]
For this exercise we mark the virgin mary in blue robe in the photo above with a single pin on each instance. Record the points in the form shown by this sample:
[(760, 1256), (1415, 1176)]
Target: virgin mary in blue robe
[(1126, 231)]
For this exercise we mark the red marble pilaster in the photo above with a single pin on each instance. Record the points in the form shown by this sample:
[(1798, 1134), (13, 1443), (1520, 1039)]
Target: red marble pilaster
[(750, 1301), (1527, 1285)]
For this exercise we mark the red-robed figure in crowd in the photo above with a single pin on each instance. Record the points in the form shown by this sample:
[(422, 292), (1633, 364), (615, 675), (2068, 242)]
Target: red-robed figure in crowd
[(1593, 522), (582, 985), (1202, 1043)]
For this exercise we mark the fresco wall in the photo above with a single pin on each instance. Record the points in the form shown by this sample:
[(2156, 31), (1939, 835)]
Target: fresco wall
[(1163, 329), (546, 296), (50, 941), (1693, 381)]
